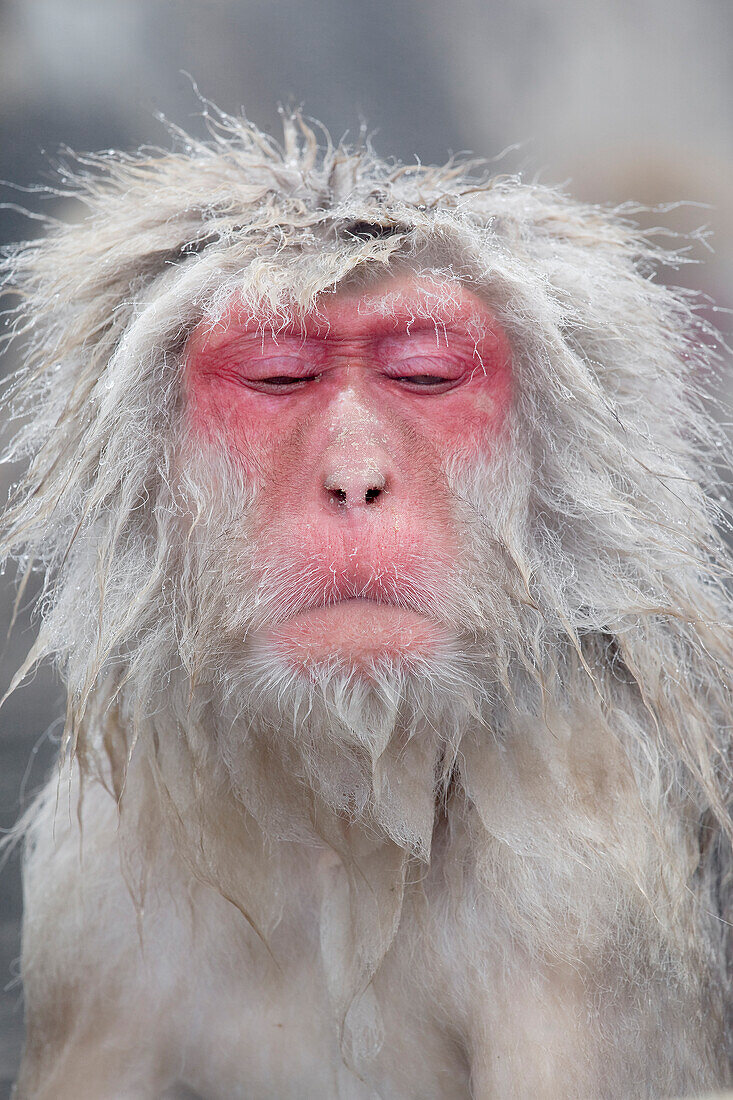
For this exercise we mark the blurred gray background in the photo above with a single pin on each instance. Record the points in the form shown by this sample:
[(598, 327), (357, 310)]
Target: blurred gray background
[(615, 99)]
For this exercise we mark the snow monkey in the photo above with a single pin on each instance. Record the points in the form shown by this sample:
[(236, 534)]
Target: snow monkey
[(377, 515)]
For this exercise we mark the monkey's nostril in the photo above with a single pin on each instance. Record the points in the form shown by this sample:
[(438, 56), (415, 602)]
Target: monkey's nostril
[(354, 488), (342, 496)]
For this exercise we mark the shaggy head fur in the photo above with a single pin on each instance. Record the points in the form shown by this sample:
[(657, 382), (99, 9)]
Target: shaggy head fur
[(580, 731)]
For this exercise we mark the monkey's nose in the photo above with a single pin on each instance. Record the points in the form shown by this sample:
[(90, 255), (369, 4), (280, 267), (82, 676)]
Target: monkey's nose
[(355, 487)]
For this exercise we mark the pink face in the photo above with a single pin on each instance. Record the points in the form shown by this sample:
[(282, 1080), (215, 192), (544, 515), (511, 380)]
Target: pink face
[(345, 426)]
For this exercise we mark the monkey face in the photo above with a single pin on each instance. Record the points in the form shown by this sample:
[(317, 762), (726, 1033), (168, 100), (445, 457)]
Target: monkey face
[(346, 426)]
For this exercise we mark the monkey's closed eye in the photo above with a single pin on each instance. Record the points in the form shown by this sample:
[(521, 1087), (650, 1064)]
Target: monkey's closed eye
[(427, 383), (281, 383), (424, 379), (426, 373)]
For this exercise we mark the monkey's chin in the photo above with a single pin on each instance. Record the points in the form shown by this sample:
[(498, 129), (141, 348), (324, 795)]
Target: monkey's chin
[(358, 633)]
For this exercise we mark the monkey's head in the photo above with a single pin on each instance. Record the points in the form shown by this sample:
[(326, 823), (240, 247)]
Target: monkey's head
[(358, 430), (349, 471)]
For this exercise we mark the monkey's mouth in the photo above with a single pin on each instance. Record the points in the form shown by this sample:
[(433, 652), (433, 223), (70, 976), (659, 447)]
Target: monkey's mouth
[(357, 631)]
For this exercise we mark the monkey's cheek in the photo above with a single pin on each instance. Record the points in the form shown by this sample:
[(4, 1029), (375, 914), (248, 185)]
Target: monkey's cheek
[(358, 633)]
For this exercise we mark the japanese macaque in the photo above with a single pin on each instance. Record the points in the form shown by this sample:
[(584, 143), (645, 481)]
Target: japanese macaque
[(377, 513)]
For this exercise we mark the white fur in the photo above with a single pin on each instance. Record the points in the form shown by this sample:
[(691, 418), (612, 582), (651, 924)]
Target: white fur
[(501, 872)]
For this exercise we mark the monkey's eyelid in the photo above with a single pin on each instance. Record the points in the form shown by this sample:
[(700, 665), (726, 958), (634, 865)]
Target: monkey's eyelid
[(279, 382), (428, 366), (424, 378), (288, 379), (428, 382), (280, 366)]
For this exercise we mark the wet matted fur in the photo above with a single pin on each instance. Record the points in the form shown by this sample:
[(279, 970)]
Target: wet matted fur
[(499, 872)]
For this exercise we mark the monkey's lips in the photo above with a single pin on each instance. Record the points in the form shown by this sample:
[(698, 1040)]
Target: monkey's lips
[(358, 632)]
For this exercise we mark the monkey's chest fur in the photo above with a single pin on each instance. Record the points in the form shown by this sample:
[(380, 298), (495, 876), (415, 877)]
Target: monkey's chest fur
[(186, 992)]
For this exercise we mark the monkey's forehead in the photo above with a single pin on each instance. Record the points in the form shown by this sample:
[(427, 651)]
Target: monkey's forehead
[(395, 301), (293, 272)]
